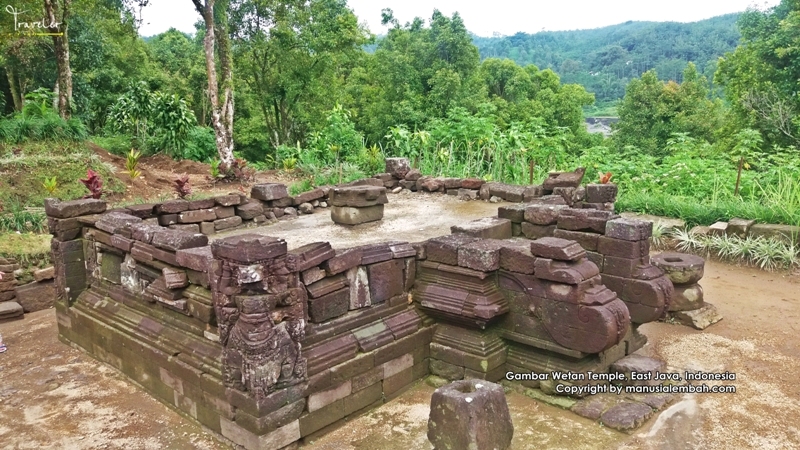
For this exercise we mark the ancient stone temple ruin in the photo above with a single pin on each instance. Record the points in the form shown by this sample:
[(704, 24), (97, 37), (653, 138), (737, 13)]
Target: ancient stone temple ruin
[(269, 345)]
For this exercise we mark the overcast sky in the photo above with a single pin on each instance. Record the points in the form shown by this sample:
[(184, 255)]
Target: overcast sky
[(493, 16)]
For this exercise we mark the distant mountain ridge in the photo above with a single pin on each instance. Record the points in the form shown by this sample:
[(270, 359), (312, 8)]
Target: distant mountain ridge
[(605, 59)]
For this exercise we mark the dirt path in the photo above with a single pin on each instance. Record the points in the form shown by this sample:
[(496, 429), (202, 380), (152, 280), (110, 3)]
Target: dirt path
[(53, 396)]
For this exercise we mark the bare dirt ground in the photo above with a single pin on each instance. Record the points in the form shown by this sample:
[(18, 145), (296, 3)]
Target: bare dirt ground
[(54, 396)]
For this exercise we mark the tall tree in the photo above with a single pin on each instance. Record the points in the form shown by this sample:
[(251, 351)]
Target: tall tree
[(58, 15), (217, 47)]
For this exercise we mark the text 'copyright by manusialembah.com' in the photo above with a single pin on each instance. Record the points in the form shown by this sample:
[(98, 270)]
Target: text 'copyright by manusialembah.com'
[(570, 383)]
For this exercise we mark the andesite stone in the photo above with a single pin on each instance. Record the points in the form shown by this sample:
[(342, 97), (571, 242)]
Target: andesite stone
[(470, 414), (269, 191), (74, 208), (248, 248)]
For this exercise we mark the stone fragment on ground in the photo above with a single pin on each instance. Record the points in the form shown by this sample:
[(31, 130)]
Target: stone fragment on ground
[(626, 416), (699, 319)]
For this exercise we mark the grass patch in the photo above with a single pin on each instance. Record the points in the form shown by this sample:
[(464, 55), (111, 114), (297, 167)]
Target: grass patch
[(24, 167), (700, 212), (29, 249)]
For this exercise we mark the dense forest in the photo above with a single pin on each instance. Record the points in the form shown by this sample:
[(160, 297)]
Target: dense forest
[(605, 59), (290, 86)]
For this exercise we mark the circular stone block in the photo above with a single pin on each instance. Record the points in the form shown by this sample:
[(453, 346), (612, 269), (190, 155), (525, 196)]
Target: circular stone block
[(680, 268), (687, 297), (470, 414)]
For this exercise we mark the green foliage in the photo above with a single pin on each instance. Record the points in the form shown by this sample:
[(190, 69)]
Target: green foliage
[(214, 168), (652, 112), (760, 76), (16, 218), (604, 60), (132, 164), (154, 119), (300, 187), (28, 248), (38, 122), (24, 166), (50, 185), (767, 254)]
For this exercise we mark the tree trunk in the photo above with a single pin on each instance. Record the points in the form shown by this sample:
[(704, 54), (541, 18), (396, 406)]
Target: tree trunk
[(221, 114), (14, 86), (61, 47)]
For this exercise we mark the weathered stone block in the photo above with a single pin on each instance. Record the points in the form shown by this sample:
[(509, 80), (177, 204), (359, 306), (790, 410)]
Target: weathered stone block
[(739, 227), (620, 248), (309, 255), (358, 196), (444, 249), (486, 228), (543, 214), (174, 240), (558, 249), (10, 310), (625, 267), (36, 296), (565, 272), (326, 286), (626, 416), (373, 336), (227, 223), (358, 280), (413, 175), (398, 167), (584, 220), (44, 274), (143, 211), (197, 216), (65, 210), (347, 215), (687, 297), (718, 229), (225, 201), (601, 193), (198, 258), (680, 268), (470, 414), (508, 192), (516, 256), (700, 318), (343, 260), (515, 213), (307, 197), (248, 248), (173, 206), (203, 203), (166, 220), (385, 280), (639, 364), (483, 255), (629, 229), (588, 241), (249, 211), (269, 191), (116, 222), (532, 231), (328, 306), (186, 227), (564, 179)]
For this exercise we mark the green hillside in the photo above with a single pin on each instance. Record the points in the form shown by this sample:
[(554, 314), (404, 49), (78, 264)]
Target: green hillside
[(605, 59)]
